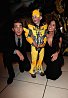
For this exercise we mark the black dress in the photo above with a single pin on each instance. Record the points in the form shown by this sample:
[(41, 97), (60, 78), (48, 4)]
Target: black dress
[(53, 69)]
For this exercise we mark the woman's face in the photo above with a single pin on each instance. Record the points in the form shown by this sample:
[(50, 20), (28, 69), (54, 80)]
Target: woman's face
[(52, 26)]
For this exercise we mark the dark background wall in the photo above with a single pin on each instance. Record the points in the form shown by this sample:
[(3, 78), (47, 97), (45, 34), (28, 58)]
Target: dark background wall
[(4, 18), (6, 15)]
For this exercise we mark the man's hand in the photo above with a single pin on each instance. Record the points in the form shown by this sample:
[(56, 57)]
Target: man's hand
[(20, 55)]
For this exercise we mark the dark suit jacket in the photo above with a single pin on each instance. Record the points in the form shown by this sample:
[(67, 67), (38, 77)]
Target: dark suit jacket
[(11, 46)]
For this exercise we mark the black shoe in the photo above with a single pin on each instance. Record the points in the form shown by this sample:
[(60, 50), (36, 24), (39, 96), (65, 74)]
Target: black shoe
[(33, 75), (10, 79), (42, 74)]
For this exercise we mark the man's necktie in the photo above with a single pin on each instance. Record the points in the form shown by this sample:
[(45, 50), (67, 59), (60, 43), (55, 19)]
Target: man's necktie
[(18, 42)]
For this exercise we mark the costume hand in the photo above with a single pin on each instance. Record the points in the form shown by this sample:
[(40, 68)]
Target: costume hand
[(35, 44), (20, 55), (41, 45), (54, 56)]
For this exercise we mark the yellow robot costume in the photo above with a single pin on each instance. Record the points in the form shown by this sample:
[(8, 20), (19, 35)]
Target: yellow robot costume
[(36, 34)]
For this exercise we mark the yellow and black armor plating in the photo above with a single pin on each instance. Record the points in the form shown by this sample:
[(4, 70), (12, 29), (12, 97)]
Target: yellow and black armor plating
[(37, 34)]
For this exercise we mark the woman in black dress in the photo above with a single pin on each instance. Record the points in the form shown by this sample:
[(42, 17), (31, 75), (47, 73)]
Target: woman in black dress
[(53, 55)]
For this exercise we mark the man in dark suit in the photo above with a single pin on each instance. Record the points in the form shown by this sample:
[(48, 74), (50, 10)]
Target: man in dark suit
[(16, 50)]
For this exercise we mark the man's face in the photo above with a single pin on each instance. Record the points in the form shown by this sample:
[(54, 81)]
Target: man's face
[(18, 29)]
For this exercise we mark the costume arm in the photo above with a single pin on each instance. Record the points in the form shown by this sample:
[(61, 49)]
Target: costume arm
[(28, 36), (45, 39)]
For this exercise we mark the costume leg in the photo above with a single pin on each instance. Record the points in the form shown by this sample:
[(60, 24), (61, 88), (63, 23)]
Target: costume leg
[(34, 55), (40, 60)]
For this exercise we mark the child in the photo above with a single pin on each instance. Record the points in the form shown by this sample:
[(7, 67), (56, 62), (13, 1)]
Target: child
[(35, 35), (16, 50)]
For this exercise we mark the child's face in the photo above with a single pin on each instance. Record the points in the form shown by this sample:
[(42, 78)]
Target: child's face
[(36, 19), (17, 29)]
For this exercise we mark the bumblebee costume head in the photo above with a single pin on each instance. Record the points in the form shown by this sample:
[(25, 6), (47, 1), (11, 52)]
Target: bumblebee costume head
[(36, 13), (36, 17)]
